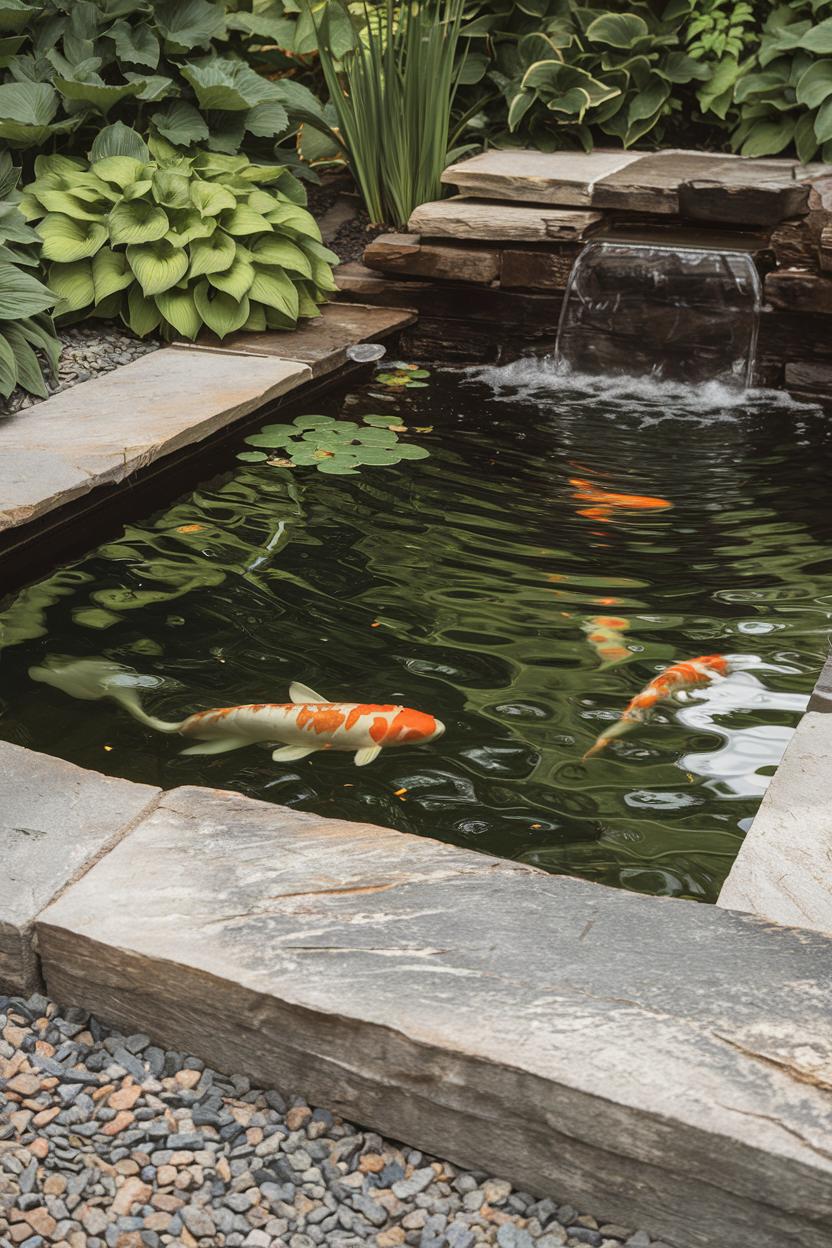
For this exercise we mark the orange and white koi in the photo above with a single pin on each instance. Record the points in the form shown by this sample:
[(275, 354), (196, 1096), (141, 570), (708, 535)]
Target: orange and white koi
[(603, 632), (605, 503), (669, 684), (306, 724)]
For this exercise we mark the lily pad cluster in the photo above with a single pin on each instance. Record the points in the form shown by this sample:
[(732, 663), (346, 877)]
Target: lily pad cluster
[(403, 376), (334, 446)]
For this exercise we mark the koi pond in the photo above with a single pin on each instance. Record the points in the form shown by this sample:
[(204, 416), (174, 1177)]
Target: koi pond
[(552, 546)]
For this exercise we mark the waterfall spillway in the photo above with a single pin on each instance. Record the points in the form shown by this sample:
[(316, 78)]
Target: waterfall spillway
[(674, 313)]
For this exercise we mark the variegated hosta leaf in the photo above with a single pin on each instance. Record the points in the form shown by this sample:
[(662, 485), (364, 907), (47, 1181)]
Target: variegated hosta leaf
[(66, 239), (158, 266)]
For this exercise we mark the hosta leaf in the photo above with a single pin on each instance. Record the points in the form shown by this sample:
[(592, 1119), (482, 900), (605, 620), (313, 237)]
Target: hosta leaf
[(618, 30), (819, 38), (306, 302), (8, 367), (98, 95), (181, 124), (211, 199), (29, 373), (235, 280), (110, 273), (21, 294), (805, 140), (242, 220), (275, 290), (272, 249), (71, 206), (322, 275), (171, 188), (155, 86), (222, 85), (768, 138), (815, 84), (9, 46), (189, 24), (73, 285), (119, 140), (137, 222), (135, 44), (179, 309), (119, 170), (135, 190), (295, 221), (190, 226), (823, 122), (16, 14), (140, 314), (31, 103), (266, 120), (211, 255), (158, 266), (222, 313), (66, 240)]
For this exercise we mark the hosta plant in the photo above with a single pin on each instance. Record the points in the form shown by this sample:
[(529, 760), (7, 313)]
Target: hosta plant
[(27, 336), (171, 242), (339, 447), (785, 93)]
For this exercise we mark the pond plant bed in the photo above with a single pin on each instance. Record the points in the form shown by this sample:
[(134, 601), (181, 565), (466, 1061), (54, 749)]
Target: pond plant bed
[(581, 1041)]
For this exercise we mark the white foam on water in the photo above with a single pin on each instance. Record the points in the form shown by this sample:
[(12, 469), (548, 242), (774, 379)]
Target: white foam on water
[(539, 379)]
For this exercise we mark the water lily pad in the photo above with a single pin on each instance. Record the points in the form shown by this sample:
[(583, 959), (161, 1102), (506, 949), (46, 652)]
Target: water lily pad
[(337, 468), (313, 422), (382, 422), (378, 437), (419, 372), (392, 379), (415, 385), (279, 431), (408, 451), (378, 455), (252, 457), (265, 439)]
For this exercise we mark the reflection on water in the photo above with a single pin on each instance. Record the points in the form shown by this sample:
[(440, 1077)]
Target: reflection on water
[(480, 585)]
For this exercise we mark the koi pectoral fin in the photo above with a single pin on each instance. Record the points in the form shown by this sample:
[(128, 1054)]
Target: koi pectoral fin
[(288, 753), (367, 755), (222, 746)]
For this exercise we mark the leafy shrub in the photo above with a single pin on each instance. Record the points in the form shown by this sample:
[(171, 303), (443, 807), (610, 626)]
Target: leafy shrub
[(392, 92), (785, 92), (178, 66), (27, 335), (333, 446), (175, 242)]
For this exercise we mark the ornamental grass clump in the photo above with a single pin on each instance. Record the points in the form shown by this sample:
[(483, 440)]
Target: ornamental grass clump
[(27, 335), (392, 93), (175, 242)]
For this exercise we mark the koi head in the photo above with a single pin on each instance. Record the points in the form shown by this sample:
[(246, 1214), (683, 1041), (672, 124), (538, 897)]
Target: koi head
[(411, 727)]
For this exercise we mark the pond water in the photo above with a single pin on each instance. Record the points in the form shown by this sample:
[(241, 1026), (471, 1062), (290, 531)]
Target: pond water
[(564, 541)]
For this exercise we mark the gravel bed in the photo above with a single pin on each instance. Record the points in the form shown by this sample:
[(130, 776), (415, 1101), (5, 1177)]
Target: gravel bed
[(107, 1141), (87, 351)]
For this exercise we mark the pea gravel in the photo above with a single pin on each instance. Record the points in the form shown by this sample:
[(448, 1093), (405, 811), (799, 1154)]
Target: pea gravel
[(108, 1141), (86, 351)]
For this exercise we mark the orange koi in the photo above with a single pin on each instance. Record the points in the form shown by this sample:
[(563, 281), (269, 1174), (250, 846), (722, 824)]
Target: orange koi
[(603, 632), (669, 684), (306, 724), (604, 503)]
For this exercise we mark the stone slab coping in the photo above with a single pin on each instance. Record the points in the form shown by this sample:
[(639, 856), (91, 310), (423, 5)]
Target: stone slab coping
[(708, 186), (103, 430), (675, 1057), (55, 820), (495, 222), (319, 343), (783, 871)]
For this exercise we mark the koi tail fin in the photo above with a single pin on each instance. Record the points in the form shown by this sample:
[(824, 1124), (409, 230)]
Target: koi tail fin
[(615, 730), (91, 679)]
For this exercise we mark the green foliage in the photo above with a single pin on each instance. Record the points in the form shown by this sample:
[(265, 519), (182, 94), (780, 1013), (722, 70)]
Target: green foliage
[(27, 335), (392, 88), (178, 67), (785, 93), (718, 29), (336, 447), (174, 242)]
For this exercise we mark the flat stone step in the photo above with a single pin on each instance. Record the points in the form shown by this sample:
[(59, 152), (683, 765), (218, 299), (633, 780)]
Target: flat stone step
[(699, 185), (782, 871), (565, 178), (671, 1059), (320, 343), (494, 222), (103, 430), (55, 820), (408, 254)]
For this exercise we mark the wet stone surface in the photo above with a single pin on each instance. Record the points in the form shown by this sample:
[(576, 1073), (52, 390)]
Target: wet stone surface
[(87, 352), (107, 1141)]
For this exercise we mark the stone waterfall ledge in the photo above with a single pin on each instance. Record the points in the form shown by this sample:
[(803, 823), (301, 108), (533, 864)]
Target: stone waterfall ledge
[(55, 820), (783, 871), (673, 1059)]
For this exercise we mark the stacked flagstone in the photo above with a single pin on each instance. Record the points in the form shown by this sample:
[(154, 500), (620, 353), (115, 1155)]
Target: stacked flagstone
[(487, 268)]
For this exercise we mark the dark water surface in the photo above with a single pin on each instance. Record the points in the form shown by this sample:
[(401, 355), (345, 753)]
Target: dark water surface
[(468, 585)]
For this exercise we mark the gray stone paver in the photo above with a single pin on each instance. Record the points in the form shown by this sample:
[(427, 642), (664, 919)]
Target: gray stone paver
[(569, 1036), (55, 819)]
